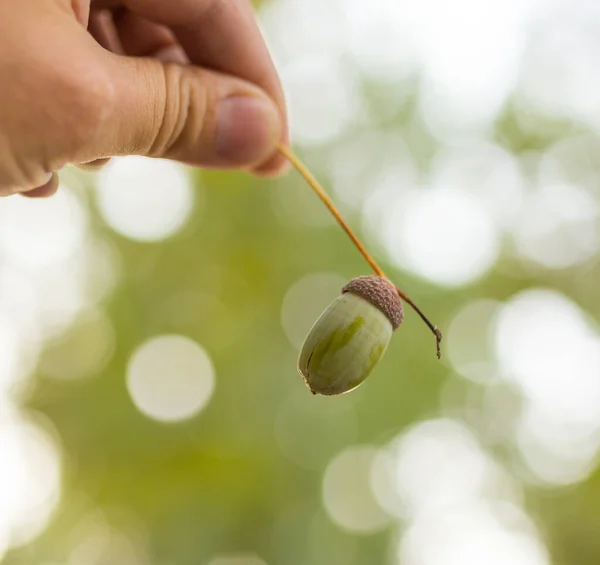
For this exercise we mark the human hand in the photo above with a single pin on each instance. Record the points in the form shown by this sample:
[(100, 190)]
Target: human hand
[(189, 80)]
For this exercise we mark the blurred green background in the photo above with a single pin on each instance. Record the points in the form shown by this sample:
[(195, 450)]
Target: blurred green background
[(151, 315)]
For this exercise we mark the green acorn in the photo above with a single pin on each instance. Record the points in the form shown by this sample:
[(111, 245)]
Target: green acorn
[(351, 336)]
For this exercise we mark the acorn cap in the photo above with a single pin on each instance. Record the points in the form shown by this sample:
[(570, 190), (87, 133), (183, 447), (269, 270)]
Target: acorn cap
[(381, 293)]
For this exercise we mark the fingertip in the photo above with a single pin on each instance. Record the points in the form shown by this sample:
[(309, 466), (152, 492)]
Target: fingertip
[(45, 190), (276, 166), (248, 128)]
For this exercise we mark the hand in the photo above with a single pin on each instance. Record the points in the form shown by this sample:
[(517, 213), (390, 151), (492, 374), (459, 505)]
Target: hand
[(189, 80)]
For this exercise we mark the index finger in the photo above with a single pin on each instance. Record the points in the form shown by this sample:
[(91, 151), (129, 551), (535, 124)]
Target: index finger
[(221, 35)]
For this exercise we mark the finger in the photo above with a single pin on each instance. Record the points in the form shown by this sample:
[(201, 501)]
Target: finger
[(45, 190), (81, 8), (222, 35), (142, 38), (124, 33), (185, 113), (103, 30)]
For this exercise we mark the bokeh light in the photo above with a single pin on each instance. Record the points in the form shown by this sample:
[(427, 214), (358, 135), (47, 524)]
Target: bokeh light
[(491, 175), (170, 378), (469, 341), (470, 534), (9, 352), (380, 39), (558, 227), (309, 37), (460, 140), (347, 493), (556, 451), (95, 540), (371, 167), (465, 88), (452, 490), (444, 235), (35, 234), (320, 119), (546, 346), (440, 463), (548, 349), (144, 199), (30, 476), (558, 75)]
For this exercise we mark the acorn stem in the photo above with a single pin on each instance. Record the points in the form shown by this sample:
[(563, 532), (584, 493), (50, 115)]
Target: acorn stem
[(434, 329), (314, 184)]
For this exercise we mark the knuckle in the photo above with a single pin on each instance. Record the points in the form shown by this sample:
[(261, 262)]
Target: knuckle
[(18, 171), (67, 100), (86, 100), (179, 122)]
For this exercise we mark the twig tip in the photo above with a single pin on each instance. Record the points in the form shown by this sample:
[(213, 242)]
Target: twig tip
[(438, 341)]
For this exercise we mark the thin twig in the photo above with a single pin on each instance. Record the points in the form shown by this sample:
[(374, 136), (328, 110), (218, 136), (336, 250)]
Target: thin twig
[(314, 184), (434, 329)]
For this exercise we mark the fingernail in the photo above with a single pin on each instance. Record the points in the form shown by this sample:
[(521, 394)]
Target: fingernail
[(247, 129)]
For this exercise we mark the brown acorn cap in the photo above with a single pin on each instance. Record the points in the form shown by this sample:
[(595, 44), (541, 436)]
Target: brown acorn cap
[(381, 293)]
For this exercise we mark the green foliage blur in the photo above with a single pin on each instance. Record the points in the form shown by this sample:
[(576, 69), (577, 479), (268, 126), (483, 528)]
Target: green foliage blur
[(220, 481), (246, 474)]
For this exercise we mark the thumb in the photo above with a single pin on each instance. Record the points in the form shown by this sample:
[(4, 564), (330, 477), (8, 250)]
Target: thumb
[(187, 113)]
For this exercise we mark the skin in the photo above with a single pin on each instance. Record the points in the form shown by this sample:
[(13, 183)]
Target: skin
[(344, 345), (189, 80)]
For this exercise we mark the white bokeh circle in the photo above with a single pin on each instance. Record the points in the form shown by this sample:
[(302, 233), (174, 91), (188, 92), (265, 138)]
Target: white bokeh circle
[(144, 199), (445, 235), (170, 378), (40, 233), (347, 493)]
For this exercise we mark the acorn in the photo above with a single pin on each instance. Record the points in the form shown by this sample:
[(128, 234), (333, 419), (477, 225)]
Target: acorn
[(351, 336)]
